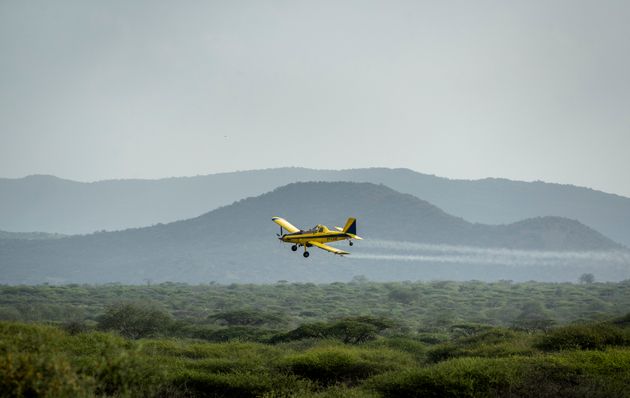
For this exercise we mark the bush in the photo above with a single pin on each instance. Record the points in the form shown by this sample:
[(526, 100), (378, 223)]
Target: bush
[(337, 364), (237, 384), (224, 357), (350, 330), (623, 321), (248, 318), (241, 333), (584, 374), (40, 375), (75, 327), (125, 374), (495, 342), (464, 377), (203, 384), (135, 320), (584, 337), (315, 330), (570, 374), (411, 346)]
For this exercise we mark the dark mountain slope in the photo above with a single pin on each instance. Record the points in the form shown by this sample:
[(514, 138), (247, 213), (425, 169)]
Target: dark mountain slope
[(237, 242), (44, 203)]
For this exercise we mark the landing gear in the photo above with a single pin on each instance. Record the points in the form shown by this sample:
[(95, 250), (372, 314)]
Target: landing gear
[(294, 247), (306, 254), (351, 243)]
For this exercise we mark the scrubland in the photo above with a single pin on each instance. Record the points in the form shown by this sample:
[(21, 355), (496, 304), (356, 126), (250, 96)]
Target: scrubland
[(359, 339)]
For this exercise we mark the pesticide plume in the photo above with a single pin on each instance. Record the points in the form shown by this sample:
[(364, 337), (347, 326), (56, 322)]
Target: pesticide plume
[(438, 253)]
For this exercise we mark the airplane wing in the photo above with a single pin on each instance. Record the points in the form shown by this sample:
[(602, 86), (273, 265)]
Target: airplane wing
[(328, 248), (285, 224)]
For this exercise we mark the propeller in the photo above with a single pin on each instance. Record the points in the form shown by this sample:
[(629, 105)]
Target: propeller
[(280, 234)]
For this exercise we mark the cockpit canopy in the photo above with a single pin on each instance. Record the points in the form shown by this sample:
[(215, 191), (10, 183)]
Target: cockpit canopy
[(319, 228)]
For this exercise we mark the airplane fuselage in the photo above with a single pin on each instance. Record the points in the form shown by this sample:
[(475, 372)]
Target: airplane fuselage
[(321, 237)]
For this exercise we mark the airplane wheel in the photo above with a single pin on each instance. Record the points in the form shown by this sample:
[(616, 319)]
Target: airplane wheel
[(294, 247), (351, 243), (306, 254)]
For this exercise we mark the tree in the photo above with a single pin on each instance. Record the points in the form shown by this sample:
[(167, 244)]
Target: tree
[(351, 331), (533, 317), (403, 295), (247, 318), (135, 320), (587, 278), (359, 279)]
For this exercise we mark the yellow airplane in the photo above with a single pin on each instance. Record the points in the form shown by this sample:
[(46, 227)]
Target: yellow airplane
[(317, 235)]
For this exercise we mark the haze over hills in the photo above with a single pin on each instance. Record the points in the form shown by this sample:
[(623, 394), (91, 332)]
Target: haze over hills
[(46, 203), (237, 243), (30, 235)]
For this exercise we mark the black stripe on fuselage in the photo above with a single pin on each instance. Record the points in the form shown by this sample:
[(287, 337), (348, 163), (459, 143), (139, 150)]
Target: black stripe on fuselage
[(311, 236)]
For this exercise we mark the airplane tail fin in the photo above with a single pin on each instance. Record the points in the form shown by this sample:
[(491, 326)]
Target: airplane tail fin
[(351, 226)]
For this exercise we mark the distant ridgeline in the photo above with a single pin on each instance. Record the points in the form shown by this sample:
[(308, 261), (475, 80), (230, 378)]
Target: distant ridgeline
[(50, 204), (30, 235), (406, 238)]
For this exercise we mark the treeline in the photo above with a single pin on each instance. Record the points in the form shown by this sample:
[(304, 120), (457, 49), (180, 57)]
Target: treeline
[(416, 307)]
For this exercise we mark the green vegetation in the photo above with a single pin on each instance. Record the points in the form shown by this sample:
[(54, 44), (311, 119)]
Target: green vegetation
[(416, 307), (450, 339)]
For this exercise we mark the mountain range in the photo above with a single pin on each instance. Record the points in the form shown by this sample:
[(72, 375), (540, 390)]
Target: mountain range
[(50, 204), (405, 238)]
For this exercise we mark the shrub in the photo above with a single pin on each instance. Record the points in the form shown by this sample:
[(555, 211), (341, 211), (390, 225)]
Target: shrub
[(39, 375), (432, 338), (411, 346), (248, 318), (464, 377), (584, 337), (496, 342), (569, 374), (237, 384), (241, 333), (337, 364), (403, 295), (584, 374), (135, 320), (203, 384), (306, 331), (75, 327), (224, 357), (623, 321), (125, 374), (350, 330)]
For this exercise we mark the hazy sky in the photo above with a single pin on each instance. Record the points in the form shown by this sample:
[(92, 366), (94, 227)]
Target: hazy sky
[(530, 90)]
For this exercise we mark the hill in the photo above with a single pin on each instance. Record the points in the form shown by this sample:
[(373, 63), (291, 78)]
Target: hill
[(46, 203), (237, 243)]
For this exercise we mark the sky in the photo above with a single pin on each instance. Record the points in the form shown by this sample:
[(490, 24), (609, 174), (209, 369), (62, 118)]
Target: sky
[(526, 90)]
